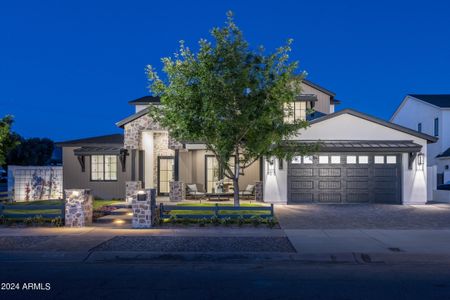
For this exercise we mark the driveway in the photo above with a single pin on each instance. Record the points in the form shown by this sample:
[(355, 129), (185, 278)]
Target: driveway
[(363, 216)]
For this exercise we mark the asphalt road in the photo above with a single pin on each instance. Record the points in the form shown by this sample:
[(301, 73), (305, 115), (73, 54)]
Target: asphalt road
[(171, 279)]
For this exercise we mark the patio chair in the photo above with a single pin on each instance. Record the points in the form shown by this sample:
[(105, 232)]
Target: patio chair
[(193, 191), (248, 193)]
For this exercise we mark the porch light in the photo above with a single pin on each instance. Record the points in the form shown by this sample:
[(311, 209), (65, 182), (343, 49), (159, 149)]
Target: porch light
[(141, 195), (271, 167), (420, 161), (75, 193)]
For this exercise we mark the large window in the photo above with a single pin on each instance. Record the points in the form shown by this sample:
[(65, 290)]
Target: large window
[(436, 127), (103, 167), (214, 173), (295, 111)]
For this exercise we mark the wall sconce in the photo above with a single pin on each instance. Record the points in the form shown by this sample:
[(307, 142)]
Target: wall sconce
[(271, 166), (420, 160), (141, 196)]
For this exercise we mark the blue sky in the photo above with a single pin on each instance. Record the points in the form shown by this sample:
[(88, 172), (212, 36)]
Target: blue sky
[(68, 68)]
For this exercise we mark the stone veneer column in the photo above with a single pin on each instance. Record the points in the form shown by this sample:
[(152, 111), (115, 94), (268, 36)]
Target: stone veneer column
[(131, 188), (177, 191), (259, 191), (78, 208), (142, 209)]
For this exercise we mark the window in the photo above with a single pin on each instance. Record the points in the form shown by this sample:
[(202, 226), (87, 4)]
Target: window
[(294, 111), (280, 164), (214, 173), (335, 159), (363, 159), (307, 160), (323, 159), (436, 127), (103, 167), (378, 159), (351, 159), (296, 160), (391, 159), (419, 127)]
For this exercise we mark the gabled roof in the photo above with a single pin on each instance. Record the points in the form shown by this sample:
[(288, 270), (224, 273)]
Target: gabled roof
[(439, 100), (444, 154), (318, 87), (145, 100), (429, 138), (133, 117), (111, 139)]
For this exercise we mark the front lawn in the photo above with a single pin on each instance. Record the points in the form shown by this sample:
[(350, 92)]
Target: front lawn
[(221, 212)]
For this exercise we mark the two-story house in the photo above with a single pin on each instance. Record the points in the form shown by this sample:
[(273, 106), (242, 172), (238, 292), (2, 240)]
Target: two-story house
[(361, 159), (430, 114)]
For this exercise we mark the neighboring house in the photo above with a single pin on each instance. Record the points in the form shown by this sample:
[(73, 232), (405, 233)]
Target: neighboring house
[(97, 163), (361, 159), (429, 114)]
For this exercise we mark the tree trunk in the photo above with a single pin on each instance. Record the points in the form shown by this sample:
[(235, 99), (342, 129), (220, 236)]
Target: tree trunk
[(236, 179)]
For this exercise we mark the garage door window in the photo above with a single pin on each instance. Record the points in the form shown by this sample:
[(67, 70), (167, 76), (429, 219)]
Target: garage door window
[(351, 159), (307, 160), (323, 159), (335, 159), (391, 159), (378, 159), (363, 159), (296, 160)]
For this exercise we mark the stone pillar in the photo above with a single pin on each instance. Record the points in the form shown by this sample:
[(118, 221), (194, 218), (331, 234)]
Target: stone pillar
[(79, 208), (131, 188), (177, 191), (142, 208), (259, 191)]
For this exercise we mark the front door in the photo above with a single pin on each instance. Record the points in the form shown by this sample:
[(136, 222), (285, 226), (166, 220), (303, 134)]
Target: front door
[(165, 174)]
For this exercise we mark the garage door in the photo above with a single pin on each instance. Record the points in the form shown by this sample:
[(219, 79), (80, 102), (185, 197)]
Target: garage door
[(345, 178)]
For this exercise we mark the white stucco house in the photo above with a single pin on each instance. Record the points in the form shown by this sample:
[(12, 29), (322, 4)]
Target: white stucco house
[(430, 114), (361, 159)]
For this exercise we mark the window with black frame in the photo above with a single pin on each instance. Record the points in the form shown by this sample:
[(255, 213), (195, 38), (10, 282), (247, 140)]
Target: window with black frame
[(103, 167)]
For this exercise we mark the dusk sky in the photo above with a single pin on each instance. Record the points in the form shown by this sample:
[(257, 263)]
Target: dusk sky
[(68, 68)]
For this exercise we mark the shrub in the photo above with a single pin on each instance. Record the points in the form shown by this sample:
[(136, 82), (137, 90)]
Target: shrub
[(256, 220), (202, 222), (173, 219), (271, 222), (240, 220), (38, 220), (227, 221), (57, 222), (215, 220), (2, 220), (28, 221)]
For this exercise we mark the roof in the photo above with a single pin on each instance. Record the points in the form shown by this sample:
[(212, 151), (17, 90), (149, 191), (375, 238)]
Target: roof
[(439, 100), (429, 138), (318, 87), (145, 100), (133, 117), (446, 153), (364, 146), (111, 139), (98, 150)]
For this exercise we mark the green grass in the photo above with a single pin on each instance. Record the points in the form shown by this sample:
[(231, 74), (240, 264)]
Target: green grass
[(222, 212), (100, 203)]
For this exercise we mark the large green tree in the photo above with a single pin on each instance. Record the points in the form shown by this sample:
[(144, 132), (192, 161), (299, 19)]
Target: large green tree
[(230, 97), (8, 140)]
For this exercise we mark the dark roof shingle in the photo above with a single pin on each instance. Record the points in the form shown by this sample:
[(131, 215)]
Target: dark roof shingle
[(145, 100), (440, 100)]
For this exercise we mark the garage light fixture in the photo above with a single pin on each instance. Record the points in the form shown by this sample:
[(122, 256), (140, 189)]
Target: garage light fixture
[(420, 160), (271, 166)]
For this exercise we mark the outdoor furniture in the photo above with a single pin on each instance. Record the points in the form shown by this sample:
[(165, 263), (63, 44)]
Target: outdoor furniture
[(248, 193), (219, 196), (193, 191)]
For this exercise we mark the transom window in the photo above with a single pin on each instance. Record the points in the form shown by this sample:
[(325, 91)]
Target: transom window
[(103, 167), (295, 111)]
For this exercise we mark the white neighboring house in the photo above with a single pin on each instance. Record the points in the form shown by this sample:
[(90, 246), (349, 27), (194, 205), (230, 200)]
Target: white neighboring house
[(430, 114)]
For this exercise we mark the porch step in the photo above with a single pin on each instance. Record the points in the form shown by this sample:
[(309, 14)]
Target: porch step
[(122, 211), (115, 219), (123, 205)]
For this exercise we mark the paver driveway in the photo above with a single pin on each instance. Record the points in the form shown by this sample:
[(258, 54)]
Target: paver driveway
[(363, 216)]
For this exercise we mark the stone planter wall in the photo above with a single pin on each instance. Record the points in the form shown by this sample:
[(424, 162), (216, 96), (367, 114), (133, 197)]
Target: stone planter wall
[(177, 191), (143, 210), (259, 191), (79, 207), (131, 188)]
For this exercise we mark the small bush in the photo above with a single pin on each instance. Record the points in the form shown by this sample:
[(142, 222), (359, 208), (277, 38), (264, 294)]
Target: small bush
[(28, 221), (227, 221), (38, 220), (2, 220), (215, 220), (240, 220), (256, 220), (57, 222), (173, 219), (202, 222), (271, 222)]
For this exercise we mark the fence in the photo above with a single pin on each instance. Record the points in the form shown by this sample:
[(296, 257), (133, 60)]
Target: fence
[(10, 211), (32, 183), (6, 196), (216, 210)]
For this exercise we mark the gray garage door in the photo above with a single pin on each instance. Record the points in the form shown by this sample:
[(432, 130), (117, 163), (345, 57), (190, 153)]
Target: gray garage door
[(345, 178)]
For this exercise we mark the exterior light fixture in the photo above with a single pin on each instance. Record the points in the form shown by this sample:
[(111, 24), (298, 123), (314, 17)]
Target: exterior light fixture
[(76, 194), (420, 159), (271, 167), (141, 195)]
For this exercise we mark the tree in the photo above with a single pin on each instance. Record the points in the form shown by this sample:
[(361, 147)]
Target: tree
[(8, 139), (31, 152), (232, 98)]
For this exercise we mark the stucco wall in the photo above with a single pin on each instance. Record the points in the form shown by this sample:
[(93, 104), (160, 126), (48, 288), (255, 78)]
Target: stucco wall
[(348, 127), (74, 178)]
